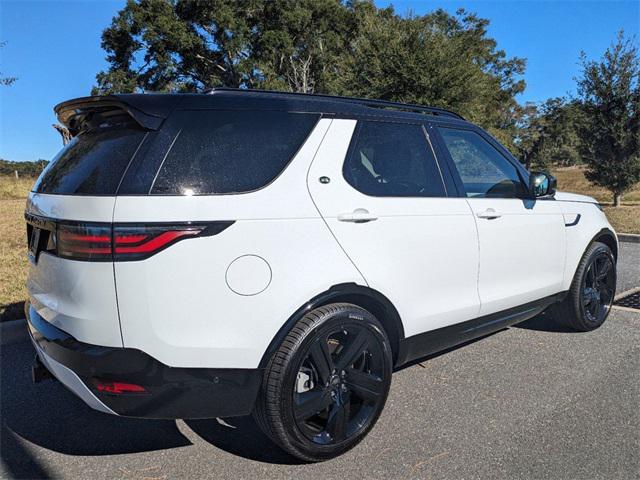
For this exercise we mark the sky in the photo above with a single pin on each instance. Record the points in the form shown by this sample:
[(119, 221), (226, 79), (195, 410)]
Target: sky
[(54, 49)]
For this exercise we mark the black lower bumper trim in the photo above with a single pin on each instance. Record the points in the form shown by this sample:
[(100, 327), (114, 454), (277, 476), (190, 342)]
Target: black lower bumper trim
[(171, 392)]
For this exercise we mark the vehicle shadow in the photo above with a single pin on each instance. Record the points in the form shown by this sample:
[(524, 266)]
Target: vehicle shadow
[(545, 322), (11, 311), (49, 416), (241, 436)]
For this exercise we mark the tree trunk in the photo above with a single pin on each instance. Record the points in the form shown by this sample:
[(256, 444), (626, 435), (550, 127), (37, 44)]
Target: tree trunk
[(617, 198)]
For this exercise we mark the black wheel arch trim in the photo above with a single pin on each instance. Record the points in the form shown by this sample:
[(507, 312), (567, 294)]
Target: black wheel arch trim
[(365, 297), (607, 237)]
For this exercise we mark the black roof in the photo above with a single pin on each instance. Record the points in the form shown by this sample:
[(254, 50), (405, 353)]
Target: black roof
[(150, 109)]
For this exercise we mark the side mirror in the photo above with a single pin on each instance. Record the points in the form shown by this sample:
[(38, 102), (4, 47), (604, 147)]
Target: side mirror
[(542, 184)]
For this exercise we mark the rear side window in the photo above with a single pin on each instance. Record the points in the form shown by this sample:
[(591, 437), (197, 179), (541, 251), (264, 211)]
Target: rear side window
[(93, 163), (221, 151), (393, 160)]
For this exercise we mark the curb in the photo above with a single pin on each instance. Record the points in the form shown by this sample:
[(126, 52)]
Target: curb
[(13, 331), (629, 238)]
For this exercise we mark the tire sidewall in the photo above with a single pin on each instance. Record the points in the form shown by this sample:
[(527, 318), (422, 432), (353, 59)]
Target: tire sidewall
[(347, 315), (596, 250)]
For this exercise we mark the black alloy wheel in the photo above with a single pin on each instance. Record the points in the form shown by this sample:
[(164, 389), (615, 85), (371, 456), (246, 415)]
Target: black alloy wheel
[(592, 290), (339, 384), (326, 386), (599, 288)]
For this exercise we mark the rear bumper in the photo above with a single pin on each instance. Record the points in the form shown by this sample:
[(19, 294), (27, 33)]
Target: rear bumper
[(170, 392)]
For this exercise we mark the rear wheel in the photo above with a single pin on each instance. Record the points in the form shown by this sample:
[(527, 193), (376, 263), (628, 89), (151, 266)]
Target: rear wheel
[(592, 291), (327, 384)]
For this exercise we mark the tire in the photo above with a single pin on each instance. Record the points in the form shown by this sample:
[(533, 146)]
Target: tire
[(578, 310), (326, 385)]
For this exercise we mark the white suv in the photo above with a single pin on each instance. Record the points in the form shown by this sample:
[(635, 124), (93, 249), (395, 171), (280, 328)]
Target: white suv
[(237, 252)]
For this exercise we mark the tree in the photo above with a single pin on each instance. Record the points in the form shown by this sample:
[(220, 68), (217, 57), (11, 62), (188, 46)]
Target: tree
[(548, 133), (157, 45), (610, 133), (6, 81), (436, 59), (321, 46)]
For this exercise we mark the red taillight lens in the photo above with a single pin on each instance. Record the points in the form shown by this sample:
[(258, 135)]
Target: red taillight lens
[(118, 388), (134, 243), (84, 241), (122, 242)]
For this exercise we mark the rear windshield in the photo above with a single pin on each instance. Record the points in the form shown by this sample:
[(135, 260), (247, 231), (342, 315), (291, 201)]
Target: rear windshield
[(220, 151), (93, 163)]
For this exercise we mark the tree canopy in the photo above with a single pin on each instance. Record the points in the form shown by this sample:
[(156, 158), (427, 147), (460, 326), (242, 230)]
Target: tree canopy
[(315, 46), (548, 133)]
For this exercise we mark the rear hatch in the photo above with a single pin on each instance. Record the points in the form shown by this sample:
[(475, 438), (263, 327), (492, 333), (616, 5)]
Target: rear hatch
[(69, 217)]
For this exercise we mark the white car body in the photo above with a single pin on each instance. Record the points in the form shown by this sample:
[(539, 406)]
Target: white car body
[(221, 301)]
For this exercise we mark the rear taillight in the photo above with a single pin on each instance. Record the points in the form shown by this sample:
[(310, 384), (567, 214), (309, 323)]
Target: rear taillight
[(84, 241), (123, 242), (135, 243)]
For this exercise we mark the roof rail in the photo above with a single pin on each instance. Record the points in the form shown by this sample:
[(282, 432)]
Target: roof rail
[(407, 107)]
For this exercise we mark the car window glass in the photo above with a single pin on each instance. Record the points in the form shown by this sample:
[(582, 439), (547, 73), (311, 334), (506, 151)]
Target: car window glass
[(221, 151), (484, 171), (392, 160), (91, 164)]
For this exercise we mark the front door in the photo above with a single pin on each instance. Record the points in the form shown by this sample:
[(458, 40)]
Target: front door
[(381, 192), (522, 240)]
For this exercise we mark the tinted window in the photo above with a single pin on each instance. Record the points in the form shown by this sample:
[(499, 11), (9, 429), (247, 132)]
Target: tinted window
[(392, 160), (231, 151), (91, 164), (484, 171)]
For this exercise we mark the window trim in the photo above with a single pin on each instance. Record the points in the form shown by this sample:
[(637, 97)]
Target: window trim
[(501, 150), (354, 138)]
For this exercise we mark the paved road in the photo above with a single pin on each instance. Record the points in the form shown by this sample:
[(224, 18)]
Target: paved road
[(533, 401)]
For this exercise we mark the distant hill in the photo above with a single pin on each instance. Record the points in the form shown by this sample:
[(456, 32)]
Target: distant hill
[(24, 169)]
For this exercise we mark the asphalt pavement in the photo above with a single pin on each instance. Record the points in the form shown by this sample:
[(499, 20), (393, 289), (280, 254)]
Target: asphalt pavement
[(532, 401)]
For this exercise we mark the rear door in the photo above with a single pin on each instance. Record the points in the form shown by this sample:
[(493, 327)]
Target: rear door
[(379, 187), (522, 240)]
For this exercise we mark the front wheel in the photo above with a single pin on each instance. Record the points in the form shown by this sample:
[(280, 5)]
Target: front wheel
[(327, 384), (592, 291)]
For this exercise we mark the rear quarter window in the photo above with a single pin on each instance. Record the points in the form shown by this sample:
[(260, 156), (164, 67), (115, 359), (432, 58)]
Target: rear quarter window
[(93, 163), (224, 151)]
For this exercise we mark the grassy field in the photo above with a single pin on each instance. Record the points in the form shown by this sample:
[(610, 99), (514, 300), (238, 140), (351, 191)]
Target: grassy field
[(13, 248), (625, 219)]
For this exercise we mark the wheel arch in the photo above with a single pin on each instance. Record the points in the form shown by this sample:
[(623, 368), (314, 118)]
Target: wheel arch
[(607, 237), (365, 297)]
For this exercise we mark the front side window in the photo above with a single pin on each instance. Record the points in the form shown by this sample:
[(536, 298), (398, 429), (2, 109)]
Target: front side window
[(230, 151), (484, 171), (392, 160)]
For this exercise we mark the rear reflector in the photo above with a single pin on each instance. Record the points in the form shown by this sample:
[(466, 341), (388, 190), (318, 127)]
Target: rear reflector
[(114, 242), (118, 388)]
